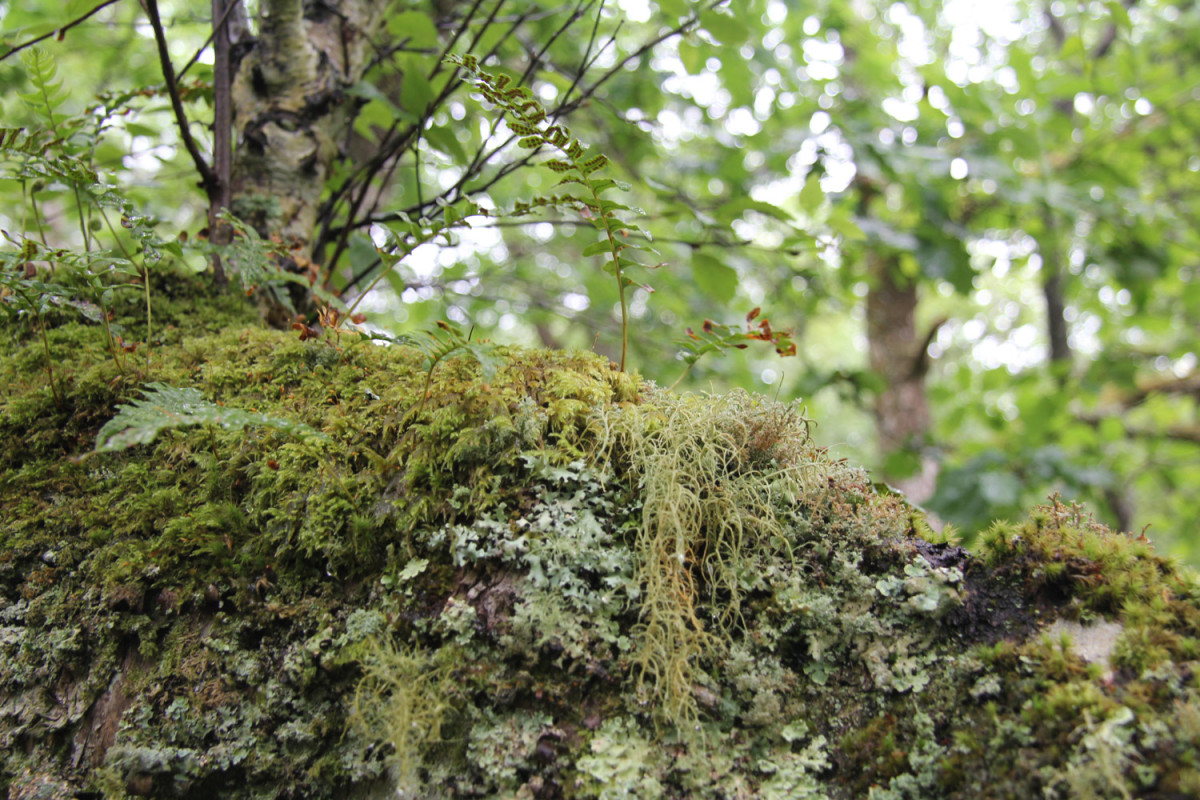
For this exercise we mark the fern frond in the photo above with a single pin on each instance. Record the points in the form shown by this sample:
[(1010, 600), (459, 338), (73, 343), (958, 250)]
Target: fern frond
[(49, 94), (258, 262), (526, 118), (166, 407), (441, 342)]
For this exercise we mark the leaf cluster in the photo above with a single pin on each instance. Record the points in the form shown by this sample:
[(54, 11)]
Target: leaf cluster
[(715, 337), (527, 118)]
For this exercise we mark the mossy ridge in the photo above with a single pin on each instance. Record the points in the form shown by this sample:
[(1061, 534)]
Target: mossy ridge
[(172, 547), (236, 633)]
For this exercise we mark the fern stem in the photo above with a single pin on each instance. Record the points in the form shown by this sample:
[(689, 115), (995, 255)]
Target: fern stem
[(616, 252), (41, 325), (37, 219), (145, 279), (58, 402), (682, 375)]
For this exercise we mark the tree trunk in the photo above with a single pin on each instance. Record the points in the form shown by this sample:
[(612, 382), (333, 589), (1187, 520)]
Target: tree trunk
[(290, 110), (1052, 290), (898, 356)]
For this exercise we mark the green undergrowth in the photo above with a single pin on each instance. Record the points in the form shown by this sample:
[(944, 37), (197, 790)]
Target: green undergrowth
[(547, 580)]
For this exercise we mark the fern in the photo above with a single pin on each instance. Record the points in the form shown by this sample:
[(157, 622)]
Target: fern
[(414, 233), (258, 262), (166, 407), (717, 338), (528, 119), (48, 94), (437, 344)]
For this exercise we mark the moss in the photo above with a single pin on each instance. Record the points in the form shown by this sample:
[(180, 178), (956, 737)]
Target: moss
[(574, 584)]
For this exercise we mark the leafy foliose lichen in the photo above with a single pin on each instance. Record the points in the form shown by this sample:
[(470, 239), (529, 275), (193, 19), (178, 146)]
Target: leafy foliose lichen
[(550, 580)]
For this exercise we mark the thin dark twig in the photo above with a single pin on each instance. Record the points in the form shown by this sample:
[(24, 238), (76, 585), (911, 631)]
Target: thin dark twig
[(386, 148), (583, 64), (417, 168), (216, 26), (536, 59), (458, 190), (414, 133), (479, 159), (367, 171), (461, 29), (451, 85), (207, 176), (59, 32), (222, 198)]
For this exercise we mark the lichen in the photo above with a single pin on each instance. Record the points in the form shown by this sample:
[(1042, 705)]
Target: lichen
[(554, 581)]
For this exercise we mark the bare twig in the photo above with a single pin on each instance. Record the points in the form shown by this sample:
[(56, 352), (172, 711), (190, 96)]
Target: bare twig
[(208, 178), (218, 25), (221, 198)]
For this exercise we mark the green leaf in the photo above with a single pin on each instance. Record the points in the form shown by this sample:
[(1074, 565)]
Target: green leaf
[(444, 139), (715, 278), (812, 196), (725, 28), (416, 95), (693, 57), (734, 209), (1120, 15), (676, 8), (1072, 48), (596, 248), (414, 26)]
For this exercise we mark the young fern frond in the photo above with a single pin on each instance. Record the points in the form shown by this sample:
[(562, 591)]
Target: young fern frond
[(259, 264), (529, 120), (48, 94), (437, 344), (717, 338), (165, 407)]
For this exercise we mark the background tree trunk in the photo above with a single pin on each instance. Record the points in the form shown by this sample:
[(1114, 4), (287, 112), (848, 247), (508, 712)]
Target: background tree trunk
[(898, 355)]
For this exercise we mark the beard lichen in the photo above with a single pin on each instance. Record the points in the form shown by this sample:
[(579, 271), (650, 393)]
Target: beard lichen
[(710, 474), (554, 582), (403, 699)]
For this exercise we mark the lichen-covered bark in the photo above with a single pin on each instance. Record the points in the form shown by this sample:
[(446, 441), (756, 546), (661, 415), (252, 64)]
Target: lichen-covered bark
[(546, 581), (291, 109)]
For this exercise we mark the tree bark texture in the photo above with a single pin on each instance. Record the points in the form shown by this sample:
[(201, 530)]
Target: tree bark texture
[(290, 109)]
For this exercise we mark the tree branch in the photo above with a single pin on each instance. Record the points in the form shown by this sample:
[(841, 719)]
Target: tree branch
[(218, 25), (221, 198), (59, 32), (208, 178)]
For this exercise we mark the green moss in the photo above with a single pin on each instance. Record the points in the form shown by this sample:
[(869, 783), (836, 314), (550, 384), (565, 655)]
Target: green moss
[(573, 584)]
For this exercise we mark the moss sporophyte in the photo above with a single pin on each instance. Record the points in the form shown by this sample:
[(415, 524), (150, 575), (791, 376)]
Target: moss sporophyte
[(335, 572)]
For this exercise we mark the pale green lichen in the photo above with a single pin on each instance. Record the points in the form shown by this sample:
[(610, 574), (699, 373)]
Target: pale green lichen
[(500, 563)]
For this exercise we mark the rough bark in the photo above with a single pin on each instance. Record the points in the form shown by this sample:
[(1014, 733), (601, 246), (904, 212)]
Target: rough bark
[(290, 110)]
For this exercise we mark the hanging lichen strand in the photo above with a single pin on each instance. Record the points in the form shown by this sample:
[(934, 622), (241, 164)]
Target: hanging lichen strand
[(337, 570)]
